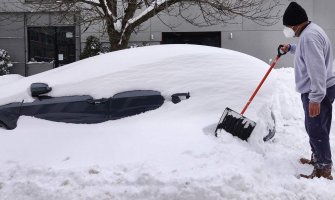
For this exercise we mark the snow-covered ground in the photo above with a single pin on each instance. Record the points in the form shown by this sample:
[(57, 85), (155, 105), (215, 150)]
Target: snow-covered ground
[(169, 153)]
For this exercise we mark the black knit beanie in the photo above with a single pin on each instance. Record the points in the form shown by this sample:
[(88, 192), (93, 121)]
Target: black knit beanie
[(294, 15)]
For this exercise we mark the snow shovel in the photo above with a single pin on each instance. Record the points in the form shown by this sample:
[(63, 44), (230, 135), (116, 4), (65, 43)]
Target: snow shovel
[(237, 124)]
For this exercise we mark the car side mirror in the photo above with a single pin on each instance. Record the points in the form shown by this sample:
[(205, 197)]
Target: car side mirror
[(178, 97), (38, 89)]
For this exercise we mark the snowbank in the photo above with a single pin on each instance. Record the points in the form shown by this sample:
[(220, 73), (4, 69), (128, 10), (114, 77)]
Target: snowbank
[(168, 153), (10, 78)]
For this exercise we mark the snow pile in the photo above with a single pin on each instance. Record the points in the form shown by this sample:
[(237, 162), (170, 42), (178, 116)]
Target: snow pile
[(168, 153), (7, 79)]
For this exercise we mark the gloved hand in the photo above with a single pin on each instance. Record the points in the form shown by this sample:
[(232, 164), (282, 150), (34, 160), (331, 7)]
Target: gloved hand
[(286, 48)]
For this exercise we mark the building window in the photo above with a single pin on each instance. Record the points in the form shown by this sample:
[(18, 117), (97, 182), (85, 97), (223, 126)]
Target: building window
[(42, 1), (51, 44), (37, 1), (200, 38)]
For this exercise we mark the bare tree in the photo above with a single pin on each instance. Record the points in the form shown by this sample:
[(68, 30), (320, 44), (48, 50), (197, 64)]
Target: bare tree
[(123, 17)]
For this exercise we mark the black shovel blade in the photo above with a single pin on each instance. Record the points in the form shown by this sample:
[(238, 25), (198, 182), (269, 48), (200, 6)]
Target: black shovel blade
[(235, 124)]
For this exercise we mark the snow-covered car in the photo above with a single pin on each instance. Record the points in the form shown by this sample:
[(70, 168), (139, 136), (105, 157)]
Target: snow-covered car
[(217, 78)]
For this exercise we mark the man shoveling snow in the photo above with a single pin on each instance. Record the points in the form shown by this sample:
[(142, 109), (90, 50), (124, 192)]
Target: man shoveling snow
[(315, 80)]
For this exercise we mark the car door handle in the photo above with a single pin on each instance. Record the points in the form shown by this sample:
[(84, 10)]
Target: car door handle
[(97, 101)]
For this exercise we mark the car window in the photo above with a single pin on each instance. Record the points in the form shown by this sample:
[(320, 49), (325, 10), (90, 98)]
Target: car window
[(136, 93), (136, 98)]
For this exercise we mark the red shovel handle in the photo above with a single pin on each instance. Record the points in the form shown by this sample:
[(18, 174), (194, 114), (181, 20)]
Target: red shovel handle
[(264, 78)]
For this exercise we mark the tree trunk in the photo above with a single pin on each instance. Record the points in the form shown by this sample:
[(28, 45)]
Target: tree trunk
[(118, 40)]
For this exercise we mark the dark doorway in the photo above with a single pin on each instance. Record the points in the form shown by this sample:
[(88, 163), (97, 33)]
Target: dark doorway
[(201, 38), (52, 44)]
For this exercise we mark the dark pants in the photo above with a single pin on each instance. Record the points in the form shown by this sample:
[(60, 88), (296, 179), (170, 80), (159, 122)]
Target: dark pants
[(318, 129)]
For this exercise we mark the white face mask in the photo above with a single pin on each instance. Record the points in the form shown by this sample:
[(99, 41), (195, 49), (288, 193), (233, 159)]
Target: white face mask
[(288, 32)]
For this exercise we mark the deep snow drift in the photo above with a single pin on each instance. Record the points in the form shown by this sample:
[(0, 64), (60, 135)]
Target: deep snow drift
[(169, 153)]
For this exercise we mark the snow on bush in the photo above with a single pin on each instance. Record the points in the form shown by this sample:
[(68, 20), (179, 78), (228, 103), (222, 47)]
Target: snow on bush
[(92, 48), (5, 63)]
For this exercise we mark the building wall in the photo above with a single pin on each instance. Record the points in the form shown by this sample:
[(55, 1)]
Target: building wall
[(12, 39), (13, 31), (244, 36), (248, 37)]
